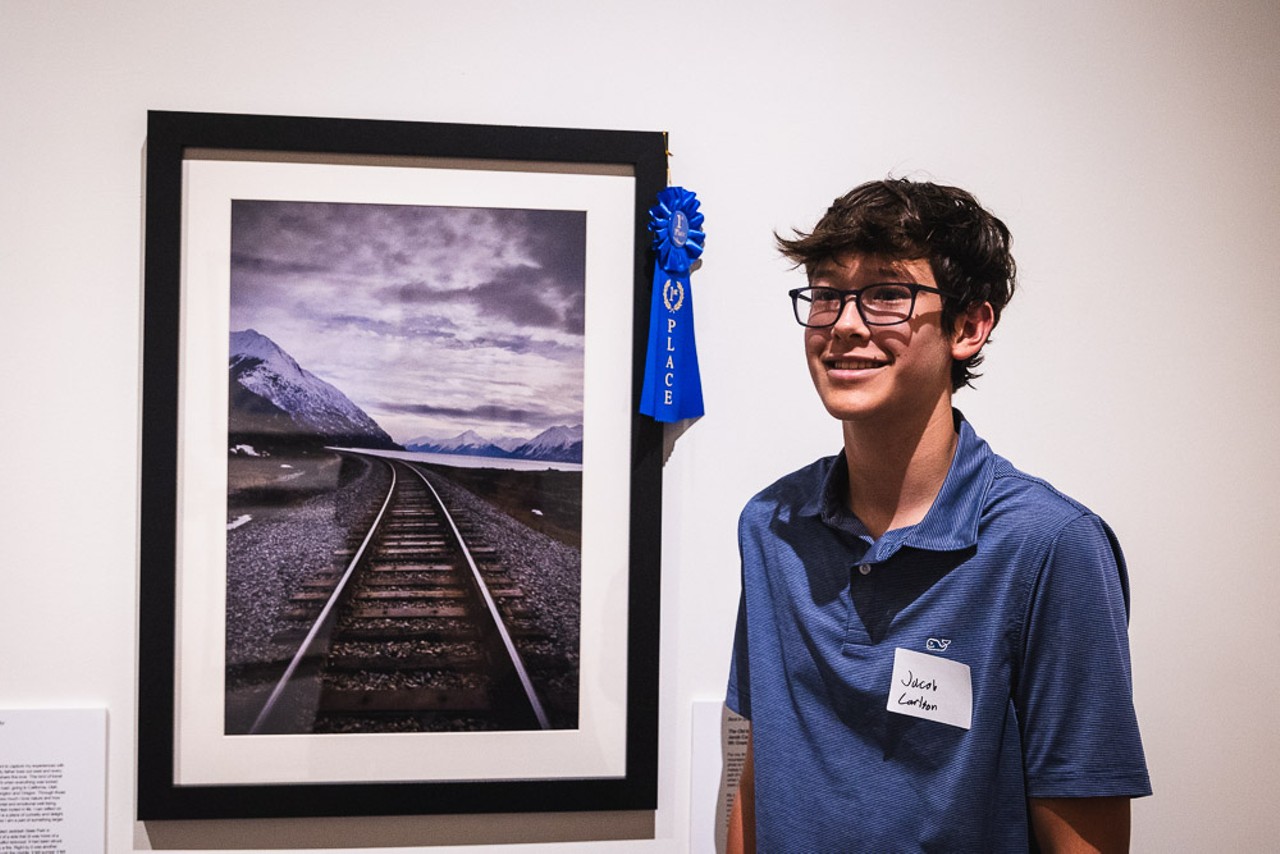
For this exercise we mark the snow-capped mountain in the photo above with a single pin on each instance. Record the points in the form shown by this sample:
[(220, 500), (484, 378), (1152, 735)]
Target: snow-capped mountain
[(555, 444), (274, 399), (469, 443), (561, 444), (508, 443)]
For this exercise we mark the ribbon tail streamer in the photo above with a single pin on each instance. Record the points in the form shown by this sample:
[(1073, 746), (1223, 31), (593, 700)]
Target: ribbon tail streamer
[(672, 389)]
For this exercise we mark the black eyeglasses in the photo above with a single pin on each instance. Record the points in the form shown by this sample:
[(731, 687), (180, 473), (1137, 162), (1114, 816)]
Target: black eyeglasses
[(886, 304)]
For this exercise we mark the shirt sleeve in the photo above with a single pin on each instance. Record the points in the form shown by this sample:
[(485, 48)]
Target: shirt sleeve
[(1074, 695), (738, 695)]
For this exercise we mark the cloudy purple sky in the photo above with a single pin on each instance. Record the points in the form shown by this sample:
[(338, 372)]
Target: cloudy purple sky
[(433, 320)]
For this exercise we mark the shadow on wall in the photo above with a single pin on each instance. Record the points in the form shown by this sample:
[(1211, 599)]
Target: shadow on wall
[(395, 831)]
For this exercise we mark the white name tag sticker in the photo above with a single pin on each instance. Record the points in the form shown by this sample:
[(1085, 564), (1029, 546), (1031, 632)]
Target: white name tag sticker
[(930, 687)]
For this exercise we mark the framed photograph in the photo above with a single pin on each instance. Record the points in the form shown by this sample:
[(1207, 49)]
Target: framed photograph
[(401, 521)]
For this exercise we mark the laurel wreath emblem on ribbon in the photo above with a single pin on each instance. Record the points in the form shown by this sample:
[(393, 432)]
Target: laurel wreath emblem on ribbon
[(673, 295), (672, 388)]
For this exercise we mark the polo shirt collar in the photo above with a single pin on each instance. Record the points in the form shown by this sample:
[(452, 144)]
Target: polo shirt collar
[(951, 523)]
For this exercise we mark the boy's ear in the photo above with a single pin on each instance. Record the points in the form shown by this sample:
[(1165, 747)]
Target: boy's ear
[(972, 328)]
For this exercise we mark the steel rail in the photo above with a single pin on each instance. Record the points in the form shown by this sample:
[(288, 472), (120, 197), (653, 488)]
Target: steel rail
[(305, 648), (517, 662)]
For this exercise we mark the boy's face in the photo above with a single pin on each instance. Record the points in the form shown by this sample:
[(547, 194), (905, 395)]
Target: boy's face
[(893, 374)]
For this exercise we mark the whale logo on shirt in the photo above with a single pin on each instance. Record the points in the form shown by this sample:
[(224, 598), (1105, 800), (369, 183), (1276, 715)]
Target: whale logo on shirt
[(937, 644)]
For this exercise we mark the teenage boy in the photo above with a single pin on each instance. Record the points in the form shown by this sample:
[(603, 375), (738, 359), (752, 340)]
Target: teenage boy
[(931, 646)]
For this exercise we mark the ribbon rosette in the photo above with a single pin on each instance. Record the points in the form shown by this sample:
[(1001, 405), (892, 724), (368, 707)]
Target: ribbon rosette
[(672, 388)]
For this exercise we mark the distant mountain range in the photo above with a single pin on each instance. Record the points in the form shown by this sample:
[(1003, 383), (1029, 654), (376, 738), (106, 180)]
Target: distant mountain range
[(555, 444), (274, 400)]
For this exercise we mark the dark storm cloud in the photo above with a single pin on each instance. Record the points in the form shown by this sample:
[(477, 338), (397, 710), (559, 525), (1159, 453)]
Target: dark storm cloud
[(525, 345), (413, 292), (418, 324), (340, 238), (421, 313), (418, 328), (524, 295), (482, 413), (518, 295), (575, 318), (242, 263), (558, 245), (557, 248)]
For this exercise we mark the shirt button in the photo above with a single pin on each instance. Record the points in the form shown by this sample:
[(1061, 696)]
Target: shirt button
[(865, 569)]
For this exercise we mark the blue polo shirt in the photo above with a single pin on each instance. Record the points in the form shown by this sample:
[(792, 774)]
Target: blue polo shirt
[(1005, 575)]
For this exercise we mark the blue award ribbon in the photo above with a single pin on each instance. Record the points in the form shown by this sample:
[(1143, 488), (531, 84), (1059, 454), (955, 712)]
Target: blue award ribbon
[(672, 388)]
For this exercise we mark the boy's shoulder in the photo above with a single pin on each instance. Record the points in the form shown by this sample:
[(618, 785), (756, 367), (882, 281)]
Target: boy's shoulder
[(1015, 491), (1029, 513), (798, 491)]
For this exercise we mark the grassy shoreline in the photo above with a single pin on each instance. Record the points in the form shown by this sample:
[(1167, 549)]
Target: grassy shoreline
[(556, 495)]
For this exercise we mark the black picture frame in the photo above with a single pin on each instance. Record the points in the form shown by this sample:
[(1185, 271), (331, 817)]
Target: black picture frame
[(172, 137)]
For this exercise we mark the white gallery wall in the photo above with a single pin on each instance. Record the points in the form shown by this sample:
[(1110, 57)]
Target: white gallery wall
[(1129, 146)]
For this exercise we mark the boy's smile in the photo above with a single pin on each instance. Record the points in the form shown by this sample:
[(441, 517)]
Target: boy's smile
[(871, 372)]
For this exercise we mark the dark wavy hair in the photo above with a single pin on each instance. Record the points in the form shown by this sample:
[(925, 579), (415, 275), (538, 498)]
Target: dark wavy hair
[(966, 246)]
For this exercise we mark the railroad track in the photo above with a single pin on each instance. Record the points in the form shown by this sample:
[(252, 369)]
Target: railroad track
[(416, 627)]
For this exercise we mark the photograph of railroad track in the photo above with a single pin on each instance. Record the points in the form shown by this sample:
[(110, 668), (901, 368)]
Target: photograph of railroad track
[(401, 516), (404, 468)]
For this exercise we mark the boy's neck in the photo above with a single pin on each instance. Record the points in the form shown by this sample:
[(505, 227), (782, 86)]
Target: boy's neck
[(896, 471)]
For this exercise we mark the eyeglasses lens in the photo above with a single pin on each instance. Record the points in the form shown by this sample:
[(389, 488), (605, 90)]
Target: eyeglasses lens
[(880, 305)]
